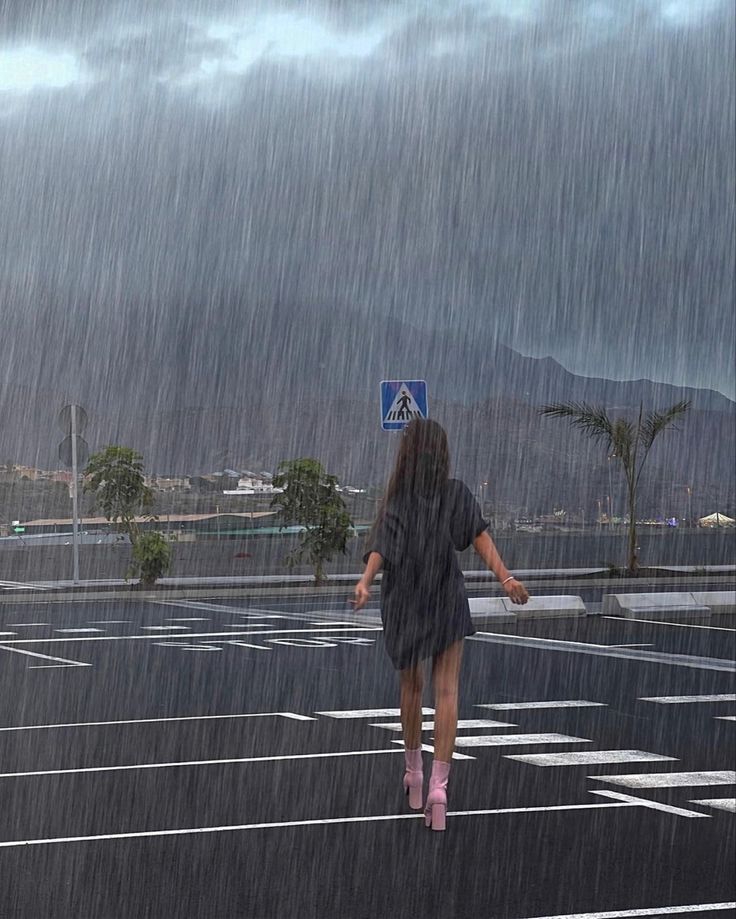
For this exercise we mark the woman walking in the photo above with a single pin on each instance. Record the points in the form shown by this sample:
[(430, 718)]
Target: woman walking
[(424, 519)]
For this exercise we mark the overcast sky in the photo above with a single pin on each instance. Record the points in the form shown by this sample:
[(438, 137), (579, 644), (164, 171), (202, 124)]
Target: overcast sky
[(558, 172)]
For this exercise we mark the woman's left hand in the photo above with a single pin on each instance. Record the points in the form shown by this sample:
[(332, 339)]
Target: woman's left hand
[(362, 596), (516, 591)]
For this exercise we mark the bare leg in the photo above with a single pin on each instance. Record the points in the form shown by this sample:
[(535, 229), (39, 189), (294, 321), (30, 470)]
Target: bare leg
[(412, 683), (445, 679)]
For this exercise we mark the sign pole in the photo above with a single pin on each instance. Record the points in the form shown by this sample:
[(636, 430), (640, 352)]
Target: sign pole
[(75, 503)]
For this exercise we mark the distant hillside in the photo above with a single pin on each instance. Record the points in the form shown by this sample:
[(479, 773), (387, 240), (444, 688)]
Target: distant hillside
[(258, 386)]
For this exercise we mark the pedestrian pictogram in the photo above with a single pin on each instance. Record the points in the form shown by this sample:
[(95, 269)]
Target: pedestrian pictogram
[(401, 402)]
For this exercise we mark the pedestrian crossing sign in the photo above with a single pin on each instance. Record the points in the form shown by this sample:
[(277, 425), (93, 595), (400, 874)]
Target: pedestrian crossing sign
[(401, 402)]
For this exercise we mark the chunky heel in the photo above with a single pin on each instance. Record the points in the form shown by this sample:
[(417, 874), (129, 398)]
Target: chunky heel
[(439, 813), (435, 813), (414, 793), (414, 778)]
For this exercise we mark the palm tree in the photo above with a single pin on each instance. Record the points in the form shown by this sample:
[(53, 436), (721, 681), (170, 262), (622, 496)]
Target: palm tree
[(624, 440)]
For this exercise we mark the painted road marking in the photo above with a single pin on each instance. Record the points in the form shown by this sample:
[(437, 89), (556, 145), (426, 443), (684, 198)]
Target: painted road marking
[(245, 644), (652, 805), (502, 740), (241, 632), (648, 911), (166, 628), (428, 748), (566, 703), (58, 661), (77, 631), (26, 625), (682, 700), (251, 612), (97, 724), (109, 622), (182, 646), (8, 633), (466, 723), (679, 625), (669, 779), (724, 804), (21, 585), (630, 654), (589, 757), (725, 717), (186, 619), (370, 713), (329, 821), (198, 762)]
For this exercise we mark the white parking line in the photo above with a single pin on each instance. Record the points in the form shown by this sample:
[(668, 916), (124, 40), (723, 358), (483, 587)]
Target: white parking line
[(652, 805), (428, 748), (507, 740), (724, 804), (648, 911), (690, 661), (329, 821), (196, 762), (566, 703), (58, 661), (589, 757), (78, 631), (96, 724), (668, 779), (242, 632), (682, 700), (370, 713), (679, 625), (463, 723)]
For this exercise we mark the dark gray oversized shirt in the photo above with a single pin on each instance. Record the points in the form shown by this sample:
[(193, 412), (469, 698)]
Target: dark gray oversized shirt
[(424, 606)]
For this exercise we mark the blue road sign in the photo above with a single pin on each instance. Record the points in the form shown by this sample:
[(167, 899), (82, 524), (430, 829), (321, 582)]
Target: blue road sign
[(401, 402)]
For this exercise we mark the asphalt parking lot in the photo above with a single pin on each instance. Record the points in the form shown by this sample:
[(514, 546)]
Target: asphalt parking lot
[(221, 758)]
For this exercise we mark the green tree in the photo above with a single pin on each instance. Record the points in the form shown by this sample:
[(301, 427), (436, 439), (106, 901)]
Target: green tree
[(115, 477), (310, 499), (627, 441)]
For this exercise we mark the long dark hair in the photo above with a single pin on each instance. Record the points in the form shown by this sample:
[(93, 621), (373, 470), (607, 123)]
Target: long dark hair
[(422, 466), (423, 462)]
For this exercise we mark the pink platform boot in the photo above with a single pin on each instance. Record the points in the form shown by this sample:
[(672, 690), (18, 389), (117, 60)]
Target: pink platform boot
[(414, 778), (435, 811)]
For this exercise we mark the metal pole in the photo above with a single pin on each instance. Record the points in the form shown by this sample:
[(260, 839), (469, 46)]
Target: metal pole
[(75, 503)]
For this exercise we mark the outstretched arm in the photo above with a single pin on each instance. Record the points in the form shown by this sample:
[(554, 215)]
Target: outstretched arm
[(485, 547), (363, 587)]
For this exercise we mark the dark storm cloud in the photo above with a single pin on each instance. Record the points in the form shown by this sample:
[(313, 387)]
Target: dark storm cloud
[(559, 173)]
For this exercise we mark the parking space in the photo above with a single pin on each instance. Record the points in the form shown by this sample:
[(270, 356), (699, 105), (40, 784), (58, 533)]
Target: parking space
[(217, 758)]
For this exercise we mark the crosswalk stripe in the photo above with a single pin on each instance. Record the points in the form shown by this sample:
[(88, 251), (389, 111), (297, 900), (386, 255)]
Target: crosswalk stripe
[(682, 700), (504, 740), (589, 757), (428, 748), (669, 779), (565, 703), (724, 804), (647, 802), (467, 723)]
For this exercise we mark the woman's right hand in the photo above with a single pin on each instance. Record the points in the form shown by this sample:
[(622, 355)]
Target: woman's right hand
[(516, 591)]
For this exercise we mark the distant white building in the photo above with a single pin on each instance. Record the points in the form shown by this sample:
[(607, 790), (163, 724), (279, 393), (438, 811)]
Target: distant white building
[(250, 483)]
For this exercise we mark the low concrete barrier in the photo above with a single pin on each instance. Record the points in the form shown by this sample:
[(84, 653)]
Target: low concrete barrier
[(719, 601), (681, 604), (501, 609)]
